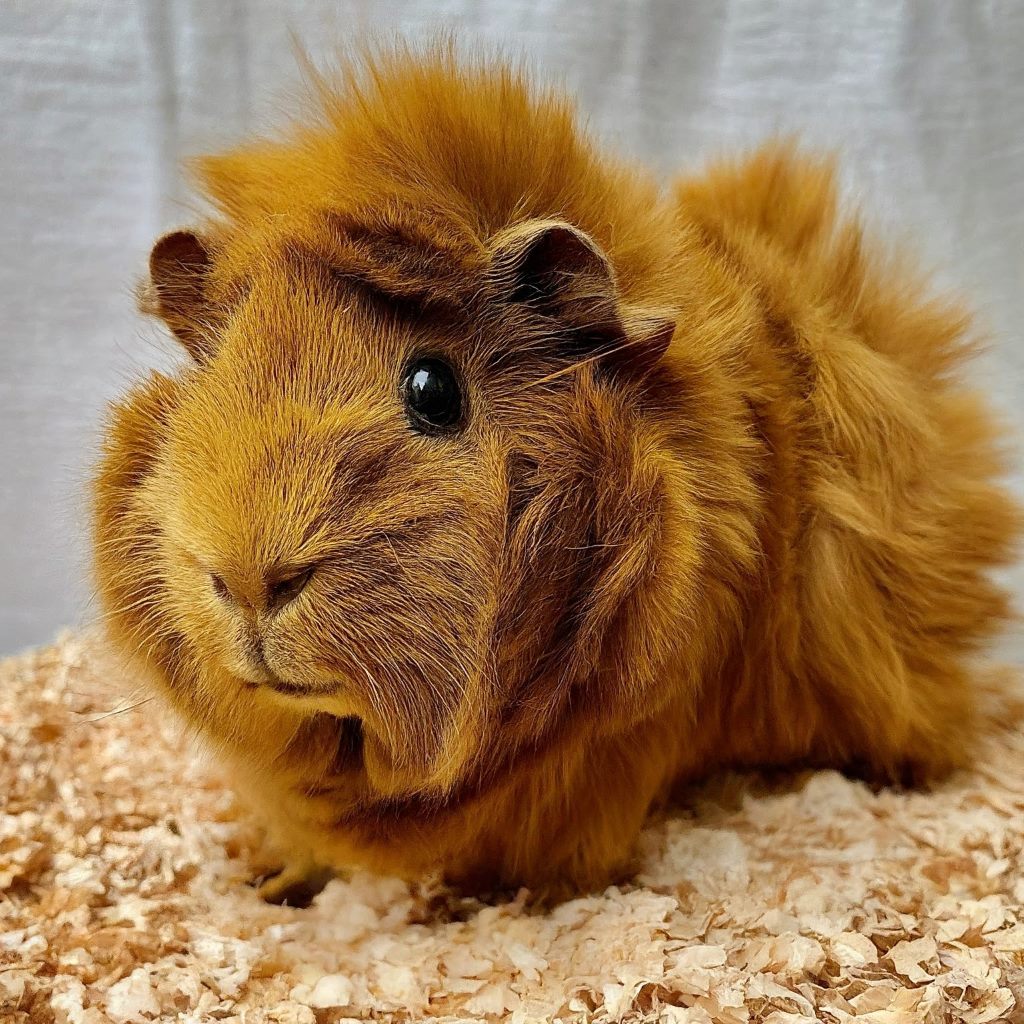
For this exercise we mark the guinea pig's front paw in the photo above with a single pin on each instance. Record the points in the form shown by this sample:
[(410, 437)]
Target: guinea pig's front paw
[(296, 885)]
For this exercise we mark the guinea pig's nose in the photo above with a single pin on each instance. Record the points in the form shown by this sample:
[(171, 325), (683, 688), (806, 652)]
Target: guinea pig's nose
[(273, 591), (280, 590)]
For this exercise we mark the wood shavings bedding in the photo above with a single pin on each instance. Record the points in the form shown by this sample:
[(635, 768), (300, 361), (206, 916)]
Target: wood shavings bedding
[(122, 898)]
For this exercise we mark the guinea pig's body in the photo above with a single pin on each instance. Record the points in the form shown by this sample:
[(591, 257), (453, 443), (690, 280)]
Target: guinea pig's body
[(507, 490)]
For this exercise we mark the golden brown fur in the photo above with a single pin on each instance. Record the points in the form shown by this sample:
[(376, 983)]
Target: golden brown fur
[(762, 538)]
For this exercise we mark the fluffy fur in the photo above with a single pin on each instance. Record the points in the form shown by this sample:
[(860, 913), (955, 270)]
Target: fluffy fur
[(719, 499)]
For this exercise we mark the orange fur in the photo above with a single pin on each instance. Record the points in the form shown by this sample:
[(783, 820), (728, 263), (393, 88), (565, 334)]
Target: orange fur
[(764, 542)]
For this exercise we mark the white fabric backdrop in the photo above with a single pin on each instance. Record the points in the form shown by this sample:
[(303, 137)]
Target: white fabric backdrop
[(100, 100)]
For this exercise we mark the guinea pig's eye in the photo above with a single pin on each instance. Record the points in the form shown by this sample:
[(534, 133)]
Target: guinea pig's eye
[(432, 396)]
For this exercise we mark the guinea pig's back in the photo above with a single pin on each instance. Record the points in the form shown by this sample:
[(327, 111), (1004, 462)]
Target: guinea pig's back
[(889, 510)]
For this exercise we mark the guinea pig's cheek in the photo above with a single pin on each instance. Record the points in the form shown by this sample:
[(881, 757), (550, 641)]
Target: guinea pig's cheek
[(294, 652), (198, 618), (290, 657), (214, 634)]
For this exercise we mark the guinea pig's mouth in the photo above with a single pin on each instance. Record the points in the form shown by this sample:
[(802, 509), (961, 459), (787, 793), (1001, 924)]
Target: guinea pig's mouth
[(274, 682), (298, 689)]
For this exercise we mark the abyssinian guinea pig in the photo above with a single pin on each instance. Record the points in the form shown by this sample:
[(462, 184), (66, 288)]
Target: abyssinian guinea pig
[(505, 487)]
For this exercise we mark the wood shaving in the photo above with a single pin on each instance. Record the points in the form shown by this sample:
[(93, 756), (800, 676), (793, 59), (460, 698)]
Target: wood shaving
[(123, 896)]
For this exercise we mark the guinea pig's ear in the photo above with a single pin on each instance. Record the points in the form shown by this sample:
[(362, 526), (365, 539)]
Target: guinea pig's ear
[(560, 272), (179, 267)]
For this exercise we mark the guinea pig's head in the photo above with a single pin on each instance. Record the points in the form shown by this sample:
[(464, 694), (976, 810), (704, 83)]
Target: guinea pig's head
[(415, 482)]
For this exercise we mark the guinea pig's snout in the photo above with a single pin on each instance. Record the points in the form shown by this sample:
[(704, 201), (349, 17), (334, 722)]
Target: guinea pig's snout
[(268, 592)]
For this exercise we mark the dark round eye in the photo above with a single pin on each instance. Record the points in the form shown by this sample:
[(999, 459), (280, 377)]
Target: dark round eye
[(432, 396)]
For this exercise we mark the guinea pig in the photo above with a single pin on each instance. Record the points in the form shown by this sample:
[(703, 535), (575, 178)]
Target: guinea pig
[(506, 487)]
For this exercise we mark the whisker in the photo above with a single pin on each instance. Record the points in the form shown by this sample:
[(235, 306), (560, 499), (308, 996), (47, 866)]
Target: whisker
[(115, 711)]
